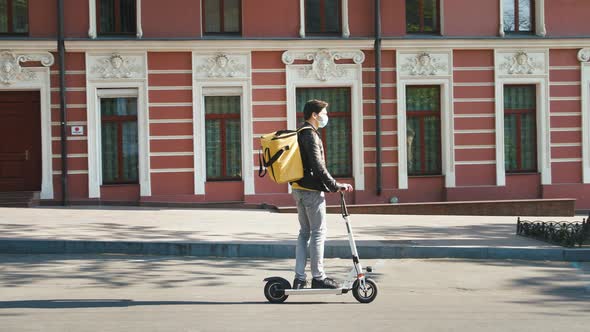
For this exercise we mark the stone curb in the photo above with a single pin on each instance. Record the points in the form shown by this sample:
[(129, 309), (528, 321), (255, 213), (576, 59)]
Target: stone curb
[(276, 250)]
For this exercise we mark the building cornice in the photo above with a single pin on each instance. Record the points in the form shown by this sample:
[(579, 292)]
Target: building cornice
[(294, 44), (29, 45), (486, 43)]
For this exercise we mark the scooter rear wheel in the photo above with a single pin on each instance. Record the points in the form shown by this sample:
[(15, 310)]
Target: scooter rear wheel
[(274, 291), (366, 295)]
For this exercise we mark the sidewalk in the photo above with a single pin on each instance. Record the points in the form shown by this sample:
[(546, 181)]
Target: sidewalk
[(257, 233)]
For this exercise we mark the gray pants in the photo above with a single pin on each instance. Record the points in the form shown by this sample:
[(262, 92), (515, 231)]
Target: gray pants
[(311, 208)]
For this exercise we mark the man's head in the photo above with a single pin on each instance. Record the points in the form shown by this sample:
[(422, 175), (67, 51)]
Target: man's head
[(313, 110), (313, 106)]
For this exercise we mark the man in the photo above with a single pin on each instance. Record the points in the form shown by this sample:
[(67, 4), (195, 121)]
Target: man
[(309, 196)]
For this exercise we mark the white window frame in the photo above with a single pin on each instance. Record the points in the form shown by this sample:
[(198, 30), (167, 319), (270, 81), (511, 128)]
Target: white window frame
[(541, 81), (202, 90), (343, 20), (111, 93), (539, 28), (93, 29), (95, 92), (446, 129), (118, 88), (543, 146), (445, 81), (584, 58), (237, 80)]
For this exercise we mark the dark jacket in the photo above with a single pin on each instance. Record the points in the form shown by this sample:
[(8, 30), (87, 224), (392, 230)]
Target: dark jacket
[(315, 173)]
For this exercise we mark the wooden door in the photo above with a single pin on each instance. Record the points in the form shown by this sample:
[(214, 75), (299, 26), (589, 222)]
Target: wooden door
[(20, 141)]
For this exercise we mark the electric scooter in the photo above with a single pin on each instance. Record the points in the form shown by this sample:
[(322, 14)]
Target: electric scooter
[(364, 289)]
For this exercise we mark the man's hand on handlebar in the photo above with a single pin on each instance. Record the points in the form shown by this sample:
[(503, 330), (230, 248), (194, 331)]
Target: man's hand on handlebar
[(345, 187)]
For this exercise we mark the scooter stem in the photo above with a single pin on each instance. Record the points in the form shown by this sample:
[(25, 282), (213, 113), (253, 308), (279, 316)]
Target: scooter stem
[(343, 208), (357, 267)]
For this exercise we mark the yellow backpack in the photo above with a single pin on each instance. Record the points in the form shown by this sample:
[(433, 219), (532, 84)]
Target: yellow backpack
[(280, 153)]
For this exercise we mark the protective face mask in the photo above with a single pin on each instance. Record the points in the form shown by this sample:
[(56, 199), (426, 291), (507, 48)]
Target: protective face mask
[(323, 120)]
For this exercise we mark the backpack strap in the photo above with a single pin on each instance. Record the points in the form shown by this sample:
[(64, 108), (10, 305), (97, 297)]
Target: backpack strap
[(262, 170), (303, 128), (272, 159)]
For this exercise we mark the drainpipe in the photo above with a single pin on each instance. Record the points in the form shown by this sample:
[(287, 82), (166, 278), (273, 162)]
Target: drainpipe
[(62, 102), (378, 93)]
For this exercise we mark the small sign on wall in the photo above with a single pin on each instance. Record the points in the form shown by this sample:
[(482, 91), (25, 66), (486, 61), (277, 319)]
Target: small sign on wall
[(77, 130)]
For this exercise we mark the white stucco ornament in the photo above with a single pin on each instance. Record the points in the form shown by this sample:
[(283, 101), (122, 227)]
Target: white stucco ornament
[(11, 70), (222, 66), (116, 67), (584, 55), (424, 64), (324, 66), (520, 64)]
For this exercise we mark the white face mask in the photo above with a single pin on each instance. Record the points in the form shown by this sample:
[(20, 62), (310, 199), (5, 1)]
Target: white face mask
[(322, 120)]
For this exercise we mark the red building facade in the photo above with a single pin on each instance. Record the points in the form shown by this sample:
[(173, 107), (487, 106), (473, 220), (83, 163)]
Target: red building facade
[(166, 103)]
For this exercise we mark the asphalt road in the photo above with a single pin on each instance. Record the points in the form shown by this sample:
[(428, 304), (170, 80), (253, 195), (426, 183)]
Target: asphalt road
[(155, 293)]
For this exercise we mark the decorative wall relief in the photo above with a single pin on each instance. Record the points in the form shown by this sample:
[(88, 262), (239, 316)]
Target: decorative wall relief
[(221, 65), (324, 66), (11, 70), (584, 55), (117, 66), (521, 63), (424, 64)]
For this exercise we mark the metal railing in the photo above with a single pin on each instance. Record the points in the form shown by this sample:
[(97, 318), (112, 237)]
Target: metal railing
[(563, 233)]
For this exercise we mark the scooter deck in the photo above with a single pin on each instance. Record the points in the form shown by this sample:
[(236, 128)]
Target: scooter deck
[(312, 291)]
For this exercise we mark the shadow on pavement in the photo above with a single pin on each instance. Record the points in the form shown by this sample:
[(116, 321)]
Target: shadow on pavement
[(163, 272), (115, 303), (560, 282)]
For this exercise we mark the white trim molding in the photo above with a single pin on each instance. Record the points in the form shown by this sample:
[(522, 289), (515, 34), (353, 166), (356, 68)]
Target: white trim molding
[(584, 58), (14, 77), (343, 20), (540, 28), (529, 66), (247, 45), (222, 74), (324, 72), (93, 29), (116, 75), (139, 29), (441, 18), (417, 67)]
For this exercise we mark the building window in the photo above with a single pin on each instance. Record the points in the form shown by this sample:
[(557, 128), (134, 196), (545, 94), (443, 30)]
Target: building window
[(423, 130), (14, 16), (116, 17), (223, 138), (323, 16), (520, 128), (519, 16), (222, 16), (337, 135), (423, 16), (119, 140)]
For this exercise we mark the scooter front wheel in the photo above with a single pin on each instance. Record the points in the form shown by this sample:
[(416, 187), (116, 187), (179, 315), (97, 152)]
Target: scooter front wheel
[(366, 295), (274, 291)]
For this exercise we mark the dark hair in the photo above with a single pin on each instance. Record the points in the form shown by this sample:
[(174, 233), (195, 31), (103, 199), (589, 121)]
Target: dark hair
[(313, 106)]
